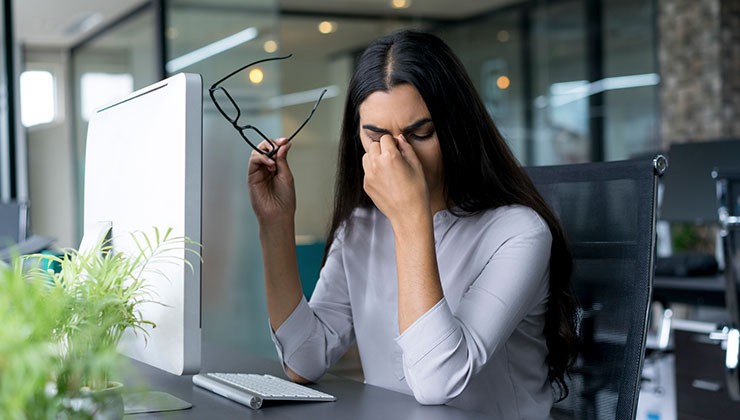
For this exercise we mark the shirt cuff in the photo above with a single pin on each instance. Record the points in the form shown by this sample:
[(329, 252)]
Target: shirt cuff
[(427, 332), (294, 331)]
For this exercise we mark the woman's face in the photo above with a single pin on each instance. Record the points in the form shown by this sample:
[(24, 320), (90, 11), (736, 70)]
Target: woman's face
[(402, 110)]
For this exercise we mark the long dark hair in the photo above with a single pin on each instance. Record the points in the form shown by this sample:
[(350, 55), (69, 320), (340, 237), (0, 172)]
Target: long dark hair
[(480, 172)]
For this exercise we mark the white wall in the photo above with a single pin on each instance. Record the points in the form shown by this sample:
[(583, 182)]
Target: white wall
[(51, 181)]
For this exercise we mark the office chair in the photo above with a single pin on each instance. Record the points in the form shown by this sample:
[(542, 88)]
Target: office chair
[(13, 223), (14, 237), (728, 213), (608, 211)]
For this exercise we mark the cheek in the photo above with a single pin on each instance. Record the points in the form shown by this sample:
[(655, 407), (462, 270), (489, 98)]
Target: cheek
[(431, 161), (364, 141), (430, 156), (427, 163)]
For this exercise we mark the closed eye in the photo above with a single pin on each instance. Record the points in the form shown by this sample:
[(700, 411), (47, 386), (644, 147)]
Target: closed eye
[(419, 130), (421, 136), (374, 136)]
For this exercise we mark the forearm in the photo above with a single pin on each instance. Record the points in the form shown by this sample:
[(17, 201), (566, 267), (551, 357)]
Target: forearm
[(419, 286), (282, 282), (437, 361)]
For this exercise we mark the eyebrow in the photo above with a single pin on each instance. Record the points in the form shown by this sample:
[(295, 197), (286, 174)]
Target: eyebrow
[(407, 129)]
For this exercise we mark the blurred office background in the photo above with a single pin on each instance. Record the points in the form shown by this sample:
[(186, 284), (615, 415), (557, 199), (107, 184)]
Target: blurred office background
[(566, 81)]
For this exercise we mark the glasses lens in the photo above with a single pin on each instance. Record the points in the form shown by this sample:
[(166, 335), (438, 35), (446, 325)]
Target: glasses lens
[(226, 104)]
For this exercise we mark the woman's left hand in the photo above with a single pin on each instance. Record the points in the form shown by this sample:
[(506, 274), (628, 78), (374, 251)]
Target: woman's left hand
[(394, 179)]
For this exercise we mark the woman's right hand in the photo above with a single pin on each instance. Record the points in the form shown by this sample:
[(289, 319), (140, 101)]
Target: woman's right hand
[(271, 186)]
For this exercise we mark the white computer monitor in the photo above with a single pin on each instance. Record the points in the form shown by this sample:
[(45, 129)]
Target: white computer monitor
[(143, 170)]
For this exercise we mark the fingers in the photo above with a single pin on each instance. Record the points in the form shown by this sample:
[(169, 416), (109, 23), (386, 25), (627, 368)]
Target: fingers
[(259, 161), (395, 145), (281, 157), (283, 146), (373, 148), (380, 159), (407, 151), (388, 144)]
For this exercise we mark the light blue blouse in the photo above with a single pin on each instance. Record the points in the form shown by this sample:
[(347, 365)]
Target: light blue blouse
[(480, 348)]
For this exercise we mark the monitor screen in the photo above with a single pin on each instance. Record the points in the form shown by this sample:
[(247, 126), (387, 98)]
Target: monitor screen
[(690, 193), (143, 170)]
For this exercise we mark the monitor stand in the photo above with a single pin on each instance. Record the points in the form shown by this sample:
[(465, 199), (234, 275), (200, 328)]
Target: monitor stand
[(95, 235), (152, 402)]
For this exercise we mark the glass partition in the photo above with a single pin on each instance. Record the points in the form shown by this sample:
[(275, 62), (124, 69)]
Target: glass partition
[(631, 79), (213, 38), (321, 60), (114, 63), (492, 50), (595, 80), (4, 135), (5, 141), (561, 112)]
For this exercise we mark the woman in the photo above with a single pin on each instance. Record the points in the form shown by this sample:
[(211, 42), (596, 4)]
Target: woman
[(443, 262)]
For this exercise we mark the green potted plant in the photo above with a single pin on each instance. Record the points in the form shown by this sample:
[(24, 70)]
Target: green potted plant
[(29, 357), (69, 322)]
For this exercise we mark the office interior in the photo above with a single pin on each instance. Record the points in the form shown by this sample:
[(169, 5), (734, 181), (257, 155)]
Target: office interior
[(566, 81)]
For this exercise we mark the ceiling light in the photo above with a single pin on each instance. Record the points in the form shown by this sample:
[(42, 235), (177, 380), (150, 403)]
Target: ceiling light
[(400, 4), (211, 49), (172, 32), (327, 27), (83, 23), (270, 46), (503, 82), (256, 76)]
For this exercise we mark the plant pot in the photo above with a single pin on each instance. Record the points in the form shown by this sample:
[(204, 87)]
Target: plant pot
[(103, 404)]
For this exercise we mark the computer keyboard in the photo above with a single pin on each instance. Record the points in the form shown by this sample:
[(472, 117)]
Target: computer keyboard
[(252, 389)]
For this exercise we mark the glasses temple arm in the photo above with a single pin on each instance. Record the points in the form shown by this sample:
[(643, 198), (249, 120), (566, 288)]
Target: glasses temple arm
[(213, 86), (316, 105)]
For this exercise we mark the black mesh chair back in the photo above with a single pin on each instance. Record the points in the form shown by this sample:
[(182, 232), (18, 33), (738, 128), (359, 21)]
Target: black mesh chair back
[(12, 223), (608, 210)]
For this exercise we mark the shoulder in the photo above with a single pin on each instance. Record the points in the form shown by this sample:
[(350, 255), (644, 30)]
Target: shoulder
[(489, 232), (364, 213), (361, 221), (513, 220), (507, 227)]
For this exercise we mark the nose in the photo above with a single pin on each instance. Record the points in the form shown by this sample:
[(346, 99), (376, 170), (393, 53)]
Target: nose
[(396, 138)]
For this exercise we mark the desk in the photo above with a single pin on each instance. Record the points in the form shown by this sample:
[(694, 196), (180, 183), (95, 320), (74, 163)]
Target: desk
[(355, 400), (708, 291), (701, 390)]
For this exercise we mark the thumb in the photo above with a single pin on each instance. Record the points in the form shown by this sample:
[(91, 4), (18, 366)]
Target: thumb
[(281, 156)]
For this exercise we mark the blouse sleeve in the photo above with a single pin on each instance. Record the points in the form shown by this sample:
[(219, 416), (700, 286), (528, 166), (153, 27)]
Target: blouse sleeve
[(443, 350), (318, 333)]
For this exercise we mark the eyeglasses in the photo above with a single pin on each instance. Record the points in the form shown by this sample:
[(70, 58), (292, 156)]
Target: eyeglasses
[(227, 106)]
